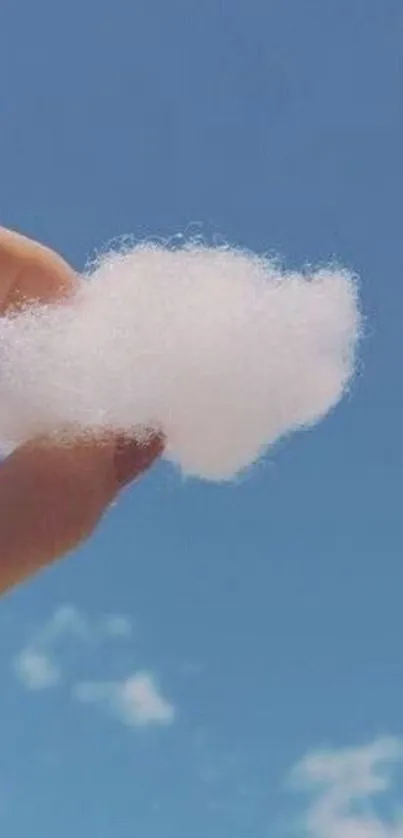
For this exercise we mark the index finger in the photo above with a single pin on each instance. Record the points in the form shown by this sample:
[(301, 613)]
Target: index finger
[(31, 273)]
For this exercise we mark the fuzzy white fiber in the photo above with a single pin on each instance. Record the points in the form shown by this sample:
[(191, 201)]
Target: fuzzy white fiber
[(220, 349)]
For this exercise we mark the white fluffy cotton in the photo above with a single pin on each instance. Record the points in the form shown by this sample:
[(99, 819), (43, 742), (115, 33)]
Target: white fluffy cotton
[(220, 349)]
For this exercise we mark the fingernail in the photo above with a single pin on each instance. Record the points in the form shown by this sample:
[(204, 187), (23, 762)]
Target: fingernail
[(133, 458)]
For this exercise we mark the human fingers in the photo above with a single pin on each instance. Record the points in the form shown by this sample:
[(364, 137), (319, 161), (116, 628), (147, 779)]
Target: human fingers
[(31, 272), (53, 495), (132, 458)]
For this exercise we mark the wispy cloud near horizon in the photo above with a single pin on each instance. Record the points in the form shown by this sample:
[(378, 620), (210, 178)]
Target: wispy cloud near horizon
[(344, 786)]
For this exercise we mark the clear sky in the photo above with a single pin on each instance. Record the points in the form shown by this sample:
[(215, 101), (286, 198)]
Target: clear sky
[(261, 622)]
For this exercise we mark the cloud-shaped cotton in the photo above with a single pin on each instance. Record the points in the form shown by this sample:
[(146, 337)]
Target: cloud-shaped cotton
[(218, 348)]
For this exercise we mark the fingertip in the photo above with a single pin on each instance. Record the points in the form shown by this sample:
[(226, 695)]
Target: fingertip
[(41, 284), (133, 457)]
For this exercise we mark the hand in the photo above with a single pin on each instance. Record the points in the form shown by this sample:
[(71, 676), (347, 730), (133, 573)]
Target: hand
[(53, 496)]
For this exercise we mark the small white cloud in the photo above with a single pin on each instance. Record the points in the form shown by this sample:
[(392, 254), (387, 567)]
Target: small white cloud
[(136, 701), (36, 670), (344, 785), (142, 703), (37, 665)]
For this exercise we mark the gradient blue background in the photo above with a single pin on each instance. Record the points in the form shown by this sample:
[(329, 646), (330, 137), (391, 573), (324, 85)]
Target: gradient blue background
[(272, 610)]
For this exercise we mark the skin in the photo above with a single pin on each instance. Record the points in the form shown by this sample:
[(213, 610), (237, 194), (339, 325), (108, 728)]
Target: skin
[(52, 496)]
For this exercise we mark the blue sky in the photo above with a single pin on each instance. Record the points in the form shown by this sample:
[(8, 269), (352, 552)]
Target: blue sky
[(258, 622)]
